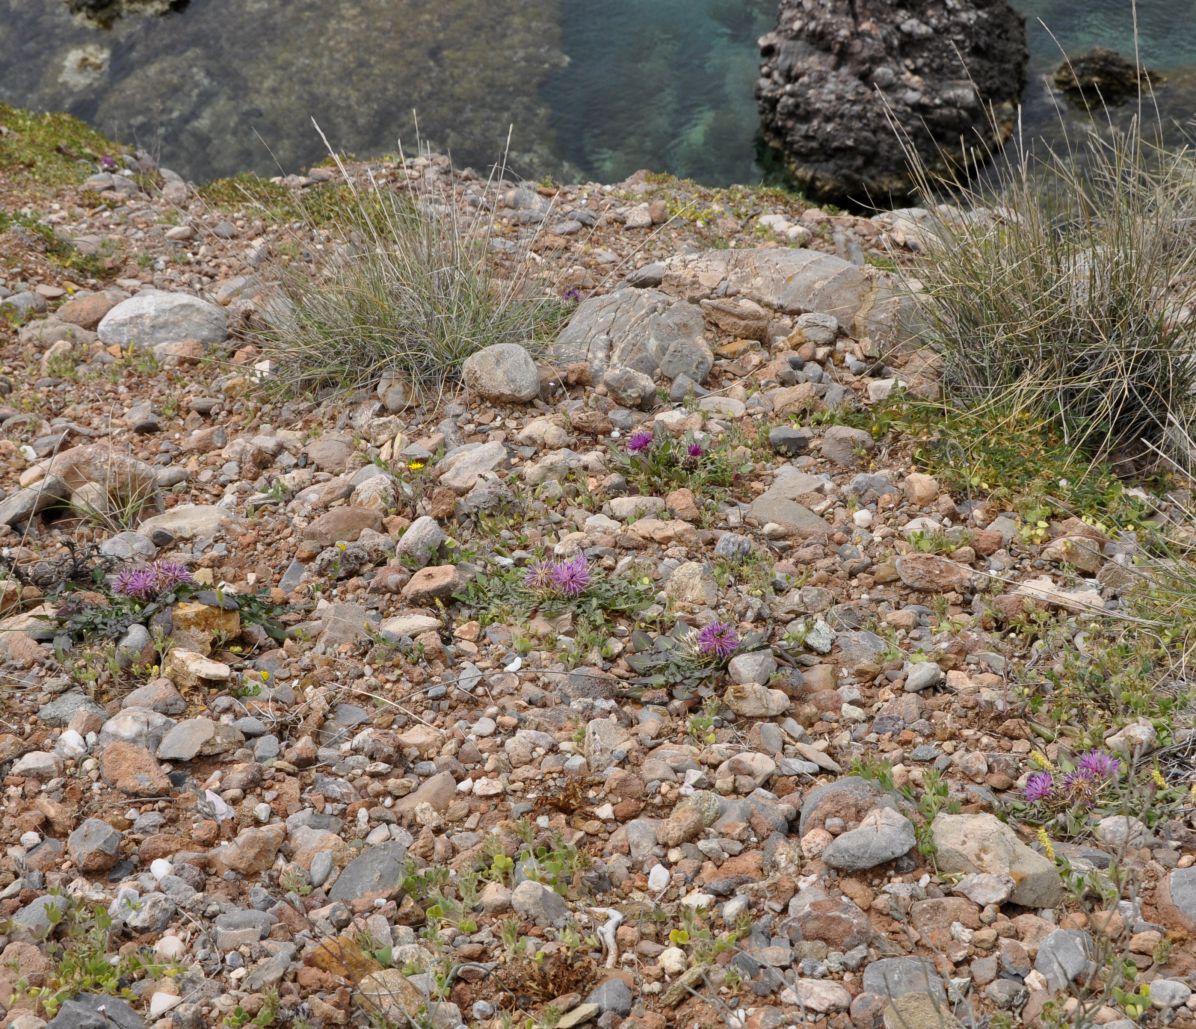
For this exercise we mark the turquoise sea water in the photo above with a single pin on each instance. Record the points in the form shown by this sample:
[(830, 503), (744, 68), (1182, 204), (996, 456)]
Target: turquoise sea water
[(588, 88)]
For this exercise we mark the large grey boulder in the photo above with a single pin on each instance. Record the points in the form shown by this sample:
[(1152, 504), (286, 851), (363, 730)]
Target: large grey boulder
[(642, 329), (794, 281), (154, 317), (841, 79)]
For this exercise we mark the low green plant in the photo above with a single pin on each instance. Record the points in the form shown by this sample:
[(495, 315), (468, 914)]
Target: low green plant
[(656, 463), (83, 958)]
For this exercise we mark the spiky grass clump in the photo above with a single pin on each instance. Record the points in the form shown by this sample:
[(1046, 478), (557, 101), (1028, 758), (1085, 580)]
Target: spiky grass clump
[(1065, 292), (406, 293)]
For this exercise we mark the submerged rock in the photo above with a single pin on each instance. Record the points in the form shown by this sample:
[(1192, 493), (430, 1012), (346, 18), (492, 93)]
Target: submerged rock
[(1100, 77)]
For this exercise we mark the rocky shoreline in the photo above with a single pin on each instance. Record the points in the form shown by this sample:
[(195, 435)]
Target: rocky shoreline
[(650, 681)]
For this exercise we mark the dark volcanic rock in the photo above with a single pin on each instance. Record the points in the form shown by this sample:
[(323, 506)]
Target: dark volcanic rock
[(838, 75), (1099, 76)]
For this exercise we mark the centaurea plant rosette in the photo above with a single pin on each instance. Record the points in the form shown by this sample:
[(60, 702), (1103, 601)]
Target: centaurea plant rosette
[(654, 460), (553, 587), (1072, 789)]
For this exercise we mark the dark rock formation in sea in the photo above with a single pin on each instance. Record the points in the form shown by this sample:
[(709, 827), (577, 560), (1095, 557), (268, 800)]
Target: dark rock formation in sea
[(841, 79), (1100, 77)]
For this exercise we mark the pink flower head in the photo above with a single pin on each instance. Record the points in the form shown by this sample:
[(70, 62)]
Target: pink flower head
[(137, 583), (169, 574), (571, 577), (695, 450), (718, 640), (539, 576), (1098, 765), (639, 441), (1039, 786), (1079, 786)]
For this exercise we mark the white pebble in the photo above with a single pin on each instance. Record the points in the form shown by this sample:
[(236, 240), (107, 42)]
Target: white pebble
[(30, 839), (862, 518), (658, 878), (161, 868)]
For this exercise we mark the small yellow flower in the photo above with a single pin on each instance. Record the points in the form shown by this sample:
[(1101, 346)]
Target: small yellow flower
[(1047, 846), (265, 675), (415, 466), (1040, 761), (1157, 778), (342, 546)]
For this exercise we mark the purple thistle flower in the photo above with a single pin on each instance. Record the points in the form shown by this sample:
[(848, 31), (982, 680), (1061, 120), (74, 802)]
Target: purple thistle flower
[(169, 574), (1098, 765), (1079, 786), (539, 576), (137, 583), (572, 294), (1039, 786), (571, 577), (638, 441), (107, 163), (718, 640), (695, 450)]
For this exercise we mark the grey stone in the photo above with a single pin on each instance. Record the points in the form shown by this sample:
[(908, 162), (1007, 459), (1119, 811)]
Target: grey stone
[(733, 547), (1007, 994), (542, 904), (461, 470), (1169, 993), (136, 725), (1181, 887), (924, 676), (151, 914), (842, 445), (796, 519), (613, 995), (94, 1011), (378, 869), (687, 358), (983, 844), (134, 646), (504, 372), (125, 546), (59, 711), (852, 792), (636, 328), (755, 700), (191, 737), (51, 491), (23, 305), (787, 441), (919, 1011), (757, 666), (793, 281), (321, 868), (882, 836), (630, 388), (240, 928), (154, 317), (1063, 956), (896, 977), (269, 972), (34, 918), (94, 846)]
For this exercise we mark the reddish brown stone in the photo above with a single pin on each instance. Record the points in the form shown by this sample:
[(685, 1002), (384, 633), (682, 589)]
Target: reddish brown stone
[(133, 770)]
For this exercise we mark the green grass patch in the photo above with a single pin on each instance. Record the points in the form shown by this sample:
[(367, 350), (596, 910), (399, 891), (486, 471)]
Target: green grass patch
[(319, 205), (1009, 457), (50, 149)]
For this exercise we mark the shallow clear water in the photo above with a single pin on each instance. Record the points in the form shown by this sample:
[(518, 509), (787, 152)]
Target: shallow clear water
[(592, 88)]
